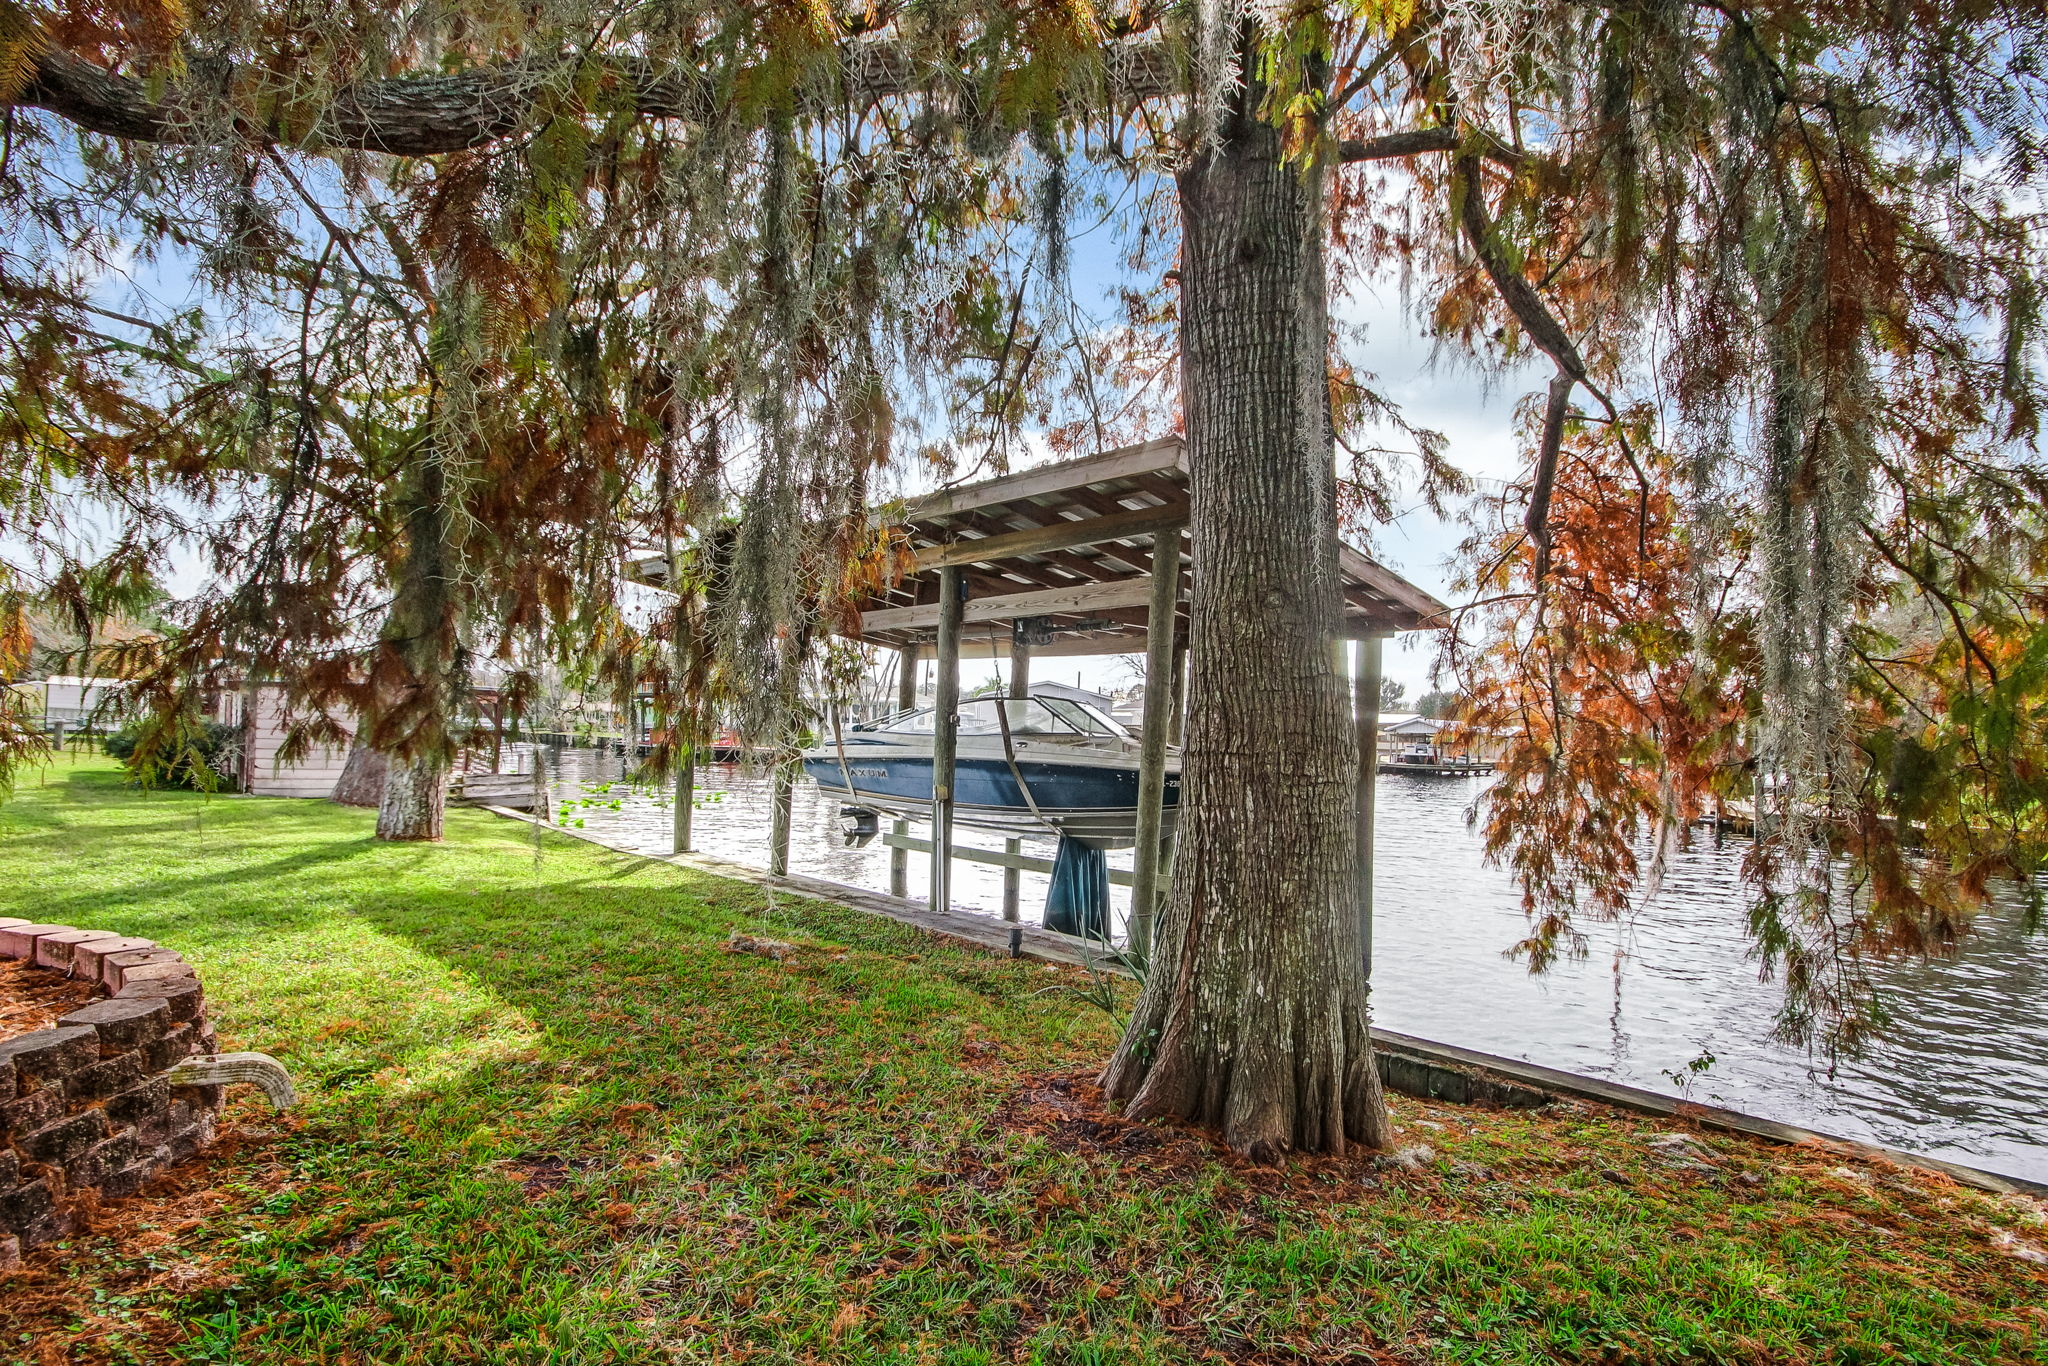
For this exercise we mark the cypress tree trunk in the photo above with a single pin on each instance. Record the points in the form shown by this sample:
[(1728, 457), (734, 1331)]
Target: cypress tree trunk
[(418, 667), (1253, 1018), (362, 778), (415, 794)]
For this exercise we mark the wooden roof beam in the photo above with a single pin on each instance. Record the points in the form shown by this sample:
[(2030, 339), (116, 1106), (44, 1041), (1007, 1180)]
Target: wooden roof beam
[(1112, 504), (1403, 595), (1113, 558), (1084, 570), (988, 529), (1061, 535), (1164, 453), (1081, 599)]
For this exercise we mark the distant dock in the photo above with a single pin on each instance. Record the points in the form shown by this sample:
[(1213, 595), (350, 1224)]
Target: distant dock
[(1437, 767)]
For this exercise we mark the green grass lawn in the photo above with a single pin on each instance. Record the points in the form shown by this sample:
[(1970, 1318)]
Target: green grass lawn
[(547, 1117)]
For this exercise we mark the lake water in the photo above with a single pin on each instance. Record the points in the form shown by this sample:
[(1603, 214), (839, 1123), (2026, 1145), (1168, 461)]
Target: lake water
[(1962, 1072)]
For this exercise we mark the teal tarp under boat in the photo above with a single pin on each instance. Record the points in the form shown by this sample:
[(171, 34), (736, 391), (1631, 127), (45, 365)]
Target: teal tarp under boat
[(1078, 902)]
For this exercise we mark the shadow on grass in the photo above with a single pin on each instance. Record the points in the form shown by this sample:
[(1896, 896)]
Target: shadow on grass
[(123, 901)]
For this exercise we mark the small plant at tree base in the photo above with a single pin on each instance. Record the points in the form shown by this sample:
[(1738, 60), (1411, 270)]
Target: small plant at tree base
[(1105, 974)]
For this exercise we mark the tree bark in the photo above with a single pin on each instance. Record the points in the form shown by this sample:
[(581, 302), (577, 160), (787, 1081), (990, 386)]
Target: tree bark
[(362, 777), (1254, 1015), (420, 665), (430, 114), (415, 795)]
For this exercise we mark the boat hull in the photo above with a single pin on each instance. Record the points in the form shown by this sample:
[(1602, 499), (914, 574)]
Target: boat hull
[(1094, 803)]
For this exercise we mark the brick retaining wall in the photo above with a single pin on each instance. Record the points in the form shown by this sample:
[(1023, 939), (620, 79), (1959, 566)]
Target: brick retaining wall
[(84, 1106)]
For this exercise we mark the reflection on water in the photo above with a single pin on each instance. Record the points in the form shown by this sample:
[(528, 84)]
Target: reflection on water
[(1962, 1073)]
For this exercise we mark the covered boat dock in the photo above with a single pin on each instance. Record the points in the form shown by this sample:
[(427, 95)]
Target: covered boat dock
[(1083, 557)]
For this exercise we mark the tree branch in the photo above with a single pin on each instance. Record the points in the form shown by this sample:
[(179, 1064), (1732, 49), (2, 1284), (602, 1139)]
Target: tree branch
[(1418, 142), (430, 115), (1510, 284), (1537, 522), (409, 116)]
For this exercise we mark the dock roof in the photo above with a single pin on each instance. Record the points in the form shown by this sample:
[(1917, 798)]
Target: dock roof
[(1066, 550)]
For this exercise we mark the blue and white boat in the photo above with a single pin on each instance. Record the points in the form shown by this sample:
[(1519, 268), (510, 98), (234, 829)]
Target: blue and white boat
[(1024, 766)]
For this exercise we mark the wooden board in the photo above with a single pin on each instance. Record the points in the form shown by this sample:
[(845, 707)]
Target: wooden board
[(1028, 863), (1164, 453), (1081, 599), (1060, 535), (265, 775), (1357, 567)]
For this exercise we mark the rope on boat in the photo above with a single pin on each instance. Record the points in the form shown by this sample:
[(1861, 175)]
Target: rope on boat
[(839, 743), (1010, 757)]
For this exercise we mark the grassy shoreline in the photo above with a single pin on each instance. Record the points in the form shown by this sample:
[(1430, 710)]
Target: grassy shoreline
[(548, 1118)]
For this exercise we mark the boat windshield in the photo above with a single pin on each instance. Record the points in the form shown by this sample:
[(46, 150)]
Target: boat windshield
[(1026, 716), (1083, 717)]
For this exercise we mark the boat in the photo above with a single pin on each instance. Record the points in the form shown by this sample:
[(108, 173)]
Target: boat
[(1024, 766)]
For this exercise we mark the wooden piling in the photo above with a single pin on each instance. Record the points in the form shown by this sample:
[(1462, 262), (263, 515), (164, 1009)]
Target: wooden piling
[(682, 716), (946, 733), (1159, 691), (1366, 713), (906, 700), (686, 796), (1020, 686), (778, 819), (1178, 677)]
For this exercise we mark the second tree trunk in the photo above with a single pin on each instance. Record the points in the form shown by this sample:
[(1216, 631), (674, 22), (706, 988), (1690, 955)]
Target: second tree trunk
[(1253, 1018)]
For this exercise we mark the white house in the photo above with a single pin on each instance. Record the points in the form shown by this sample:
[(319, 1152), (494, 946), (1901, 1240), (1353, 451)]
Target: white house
[(259, 713), (1401, 730)]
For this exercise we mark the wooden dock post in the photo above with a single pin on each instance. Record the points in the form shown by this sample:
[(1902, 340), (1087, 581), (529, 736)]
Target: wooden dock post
[(1020, 686), (906, 700), (682, 716), (683, 736), (946, 734), (682, 721), (1179, 679), (686, 794), (1365, 699), (1159, 698), (778, 819)]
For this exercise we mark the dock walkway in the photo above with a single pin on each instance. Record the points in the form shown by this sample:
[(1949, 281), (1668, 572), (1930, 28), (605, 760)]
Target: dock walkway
[(1014, 938)]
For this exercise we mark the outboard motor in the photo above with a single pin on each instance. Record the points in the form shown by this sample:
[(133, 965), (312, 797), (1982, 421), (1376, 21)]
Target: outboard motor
[(858, 825)]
